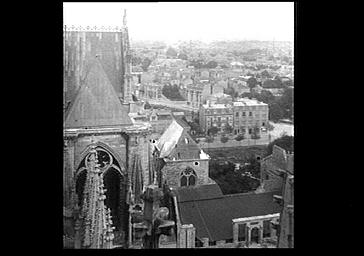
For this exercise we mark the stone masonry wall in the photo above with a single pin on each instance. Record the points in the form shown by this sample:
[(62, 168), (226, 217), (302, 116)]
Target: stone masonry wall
[(274, 182), (172, 170)]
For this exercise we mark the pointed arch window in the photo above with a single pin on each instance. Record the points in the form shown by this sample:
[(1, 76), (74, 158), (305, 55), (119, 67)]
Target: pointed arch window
[(114, 181), (188, 177)]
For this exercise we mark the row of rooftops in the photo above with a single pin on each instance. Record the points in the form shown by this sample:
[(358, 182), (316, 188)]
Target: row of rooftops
[(239, 103)]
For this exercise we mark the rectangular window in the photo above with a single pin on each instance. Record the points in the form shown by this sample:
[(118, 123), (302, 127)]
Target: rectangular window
[(241, 232), (250, 113), (243, 113), (237, 114)]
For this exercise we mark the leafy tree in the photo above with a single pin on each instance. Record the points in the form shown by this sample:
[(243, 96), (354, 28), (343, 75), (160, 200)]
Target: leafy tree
[(265, 74), (265, 96), (147, 105), (286, 103), (286, 142), (172, 92), (253, 166), (211, 64), (275, 112), (230, 181), (231, 91), (195, 127), (212, 131), (228, 128), (145, 64), (272, 83), (171, 52), (240, 137), (224, 139), (252, 82), (182, 56), (210, 139)]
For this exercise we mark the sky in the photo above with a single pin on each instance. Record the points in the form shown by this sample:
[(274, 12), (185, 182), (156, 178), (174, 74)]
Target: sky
[(204, 21)]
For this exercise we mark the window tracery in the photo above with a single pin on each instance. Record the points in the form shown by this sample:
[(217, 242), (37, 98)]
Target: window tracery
[(188, 177)]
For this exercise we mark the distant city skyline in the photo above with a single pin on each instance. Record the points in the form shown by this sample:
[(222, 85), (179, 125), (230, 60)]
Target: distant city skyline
[(203, 21)]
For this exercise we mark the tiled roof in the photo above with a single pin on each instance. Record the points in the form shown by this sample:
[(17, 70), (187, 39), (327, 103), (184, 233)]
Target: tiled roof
[(187, 194), (212, 217)]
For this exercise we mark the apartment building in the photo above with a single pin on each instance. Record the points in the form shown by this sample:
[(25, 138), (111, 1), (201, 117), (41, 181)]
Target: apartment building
[(215, 115), (248, 114)]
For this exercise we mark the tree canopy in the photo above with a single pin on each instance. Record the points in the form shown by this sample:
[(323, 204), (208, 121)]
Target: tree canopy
[(172, 92), (212, 130), (145, 64), (211, 64), (229, 180), (182, 56), (171, 52), (252, 82)]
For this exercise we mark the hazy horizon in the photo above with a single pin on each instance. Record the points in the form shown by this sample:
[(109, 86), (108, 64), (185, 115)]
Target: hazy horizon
[(184, 21)]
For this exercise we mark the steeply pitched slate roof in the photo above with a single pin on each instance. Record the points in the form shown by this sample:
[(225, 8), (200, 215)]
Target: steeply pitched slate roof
[(186, 194), (169, 138), (212, 217), (177, 134), (96, 103)]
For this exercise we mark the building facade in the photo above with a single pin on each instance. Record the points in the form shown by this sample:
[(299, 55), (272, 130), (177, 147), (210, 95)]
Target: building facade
[(249, 115), (182, 161), (246, 116), (274, 167), (215, 115)]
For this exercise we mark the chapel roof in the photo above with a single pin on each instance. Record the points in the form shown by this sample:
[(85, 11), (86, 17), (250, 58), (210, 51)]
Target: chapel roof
[(212, 216)]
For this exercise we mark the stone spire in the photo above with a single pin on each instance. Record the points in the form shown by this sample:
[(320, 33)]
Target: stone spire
[(124, 18), (97, 228), (127, 98)]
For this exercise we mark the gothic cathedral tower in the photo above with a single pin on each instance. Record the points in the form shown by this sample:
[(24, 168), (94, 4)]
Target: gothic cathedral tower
[(99, 137)]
